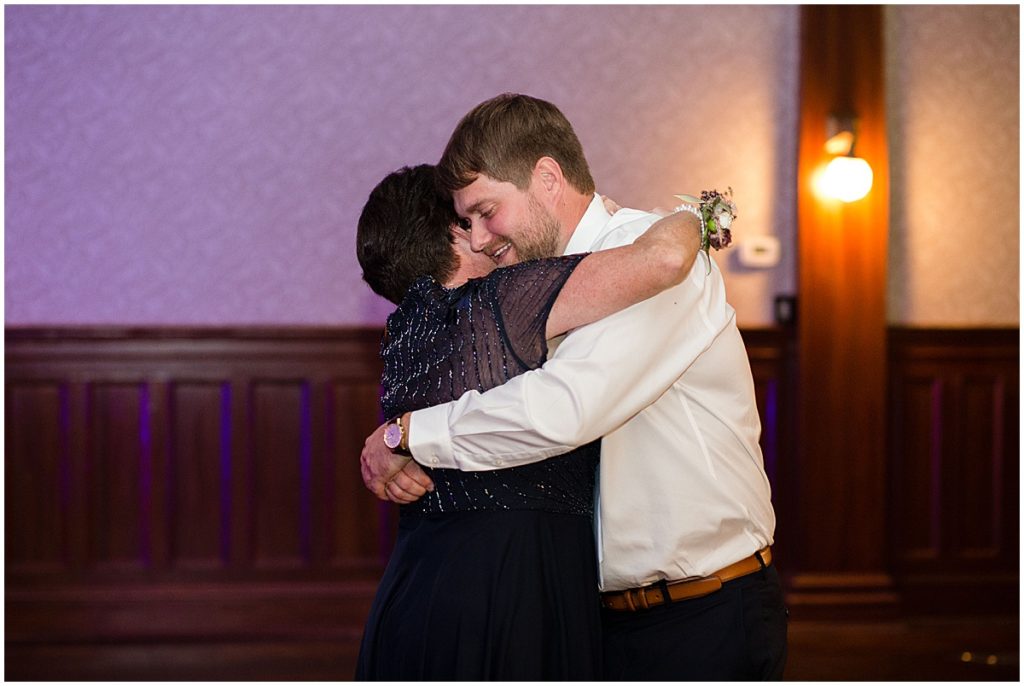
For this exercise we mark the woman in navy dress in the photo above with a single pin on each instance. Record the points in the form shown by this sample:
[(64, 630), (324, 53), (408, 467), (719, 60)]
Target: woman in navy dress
[(494, 574)]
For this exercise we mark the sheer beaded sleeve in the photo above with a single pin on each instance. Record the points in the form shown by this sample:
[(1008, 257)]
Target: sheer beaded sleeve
[(524, 295)]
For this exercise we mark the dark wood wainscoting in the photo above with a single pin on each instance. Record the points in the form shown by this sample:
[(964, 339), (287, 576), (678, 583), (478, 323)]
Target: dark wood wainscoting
[(168, 487), (186, 503), (954, 456)]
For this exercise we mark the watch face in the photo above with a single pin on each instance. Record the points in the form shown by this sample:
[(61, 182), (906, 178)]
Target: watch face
[(392, 435)]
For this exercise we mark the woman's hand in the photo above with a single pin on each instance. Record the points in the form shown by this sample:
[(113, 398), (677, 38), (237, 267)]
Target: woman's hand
[(610, 204), (614, 207)]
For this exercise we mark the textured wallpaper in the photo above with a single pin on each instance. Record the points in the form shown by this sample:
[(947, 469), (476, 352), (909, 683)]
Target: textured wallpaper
[(954, 126), (207, 164)]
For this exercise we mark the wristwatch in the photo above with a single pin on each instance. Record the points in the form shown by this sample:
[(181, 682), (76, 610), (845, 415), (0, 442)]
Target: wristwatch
[(394, 436)]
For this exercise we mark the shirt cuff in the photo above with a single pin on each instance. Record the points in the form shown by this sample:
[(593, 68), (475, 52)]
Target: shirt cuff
[(429, 440)]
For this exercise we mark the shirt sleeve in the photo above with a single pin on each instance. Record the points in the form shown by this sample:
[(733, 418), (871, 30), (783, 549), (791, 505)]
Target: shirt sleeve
[(600, 376)]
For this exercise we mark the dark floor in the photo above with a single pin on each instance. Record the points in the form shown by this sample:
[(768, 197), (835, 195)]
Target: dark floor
[(927, 649)]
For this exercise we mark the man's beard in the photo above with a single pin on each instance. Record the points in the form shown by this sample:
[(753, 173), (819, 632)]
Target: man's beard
[(540, 237)]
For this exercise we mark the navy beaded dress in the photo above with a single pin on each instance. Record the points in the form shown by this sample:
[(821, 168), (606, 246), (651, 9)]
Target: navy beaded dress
[(494, 574)]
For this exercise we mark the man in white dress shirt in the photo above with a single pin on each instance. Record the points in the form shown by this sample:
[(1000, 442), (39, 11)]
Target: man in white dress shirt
[(684, 516)]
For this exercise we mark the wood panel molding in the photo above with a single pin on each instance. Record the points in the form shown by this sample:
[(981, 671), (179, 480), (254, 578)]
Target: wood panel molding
[(954, 451), (172, 453), (186, 453), (173, 486)]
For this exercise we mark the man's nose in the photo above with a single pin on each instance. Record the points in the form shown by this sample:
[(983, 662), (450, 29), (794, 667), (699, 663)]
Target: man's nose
[(479, 237)]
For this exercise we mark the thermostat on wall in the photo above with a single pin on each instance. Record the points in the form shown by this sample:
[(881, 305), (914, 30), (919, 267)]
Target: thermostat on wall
[(759, 251)]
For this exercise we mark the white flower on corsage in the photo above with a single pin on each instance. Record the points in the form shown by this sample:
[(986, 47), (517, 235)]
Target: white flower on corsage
[(716, 212)]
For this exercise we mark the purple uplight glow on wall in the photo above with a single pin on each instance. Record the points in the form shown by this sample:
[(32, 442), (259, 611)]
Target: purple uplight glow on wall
[(306, 478), (769, 424), (65, 463), (225, 473), (206, 165), (145, 477)]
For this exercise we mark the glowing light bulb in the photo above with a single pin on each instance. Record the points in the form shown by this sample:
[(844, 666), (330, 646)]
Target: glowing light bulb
[(846, 178)]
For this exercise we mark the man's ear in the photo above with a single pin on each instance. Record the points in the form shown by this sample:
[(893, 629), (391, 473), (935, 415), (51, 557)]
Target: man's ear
[(547, 177)]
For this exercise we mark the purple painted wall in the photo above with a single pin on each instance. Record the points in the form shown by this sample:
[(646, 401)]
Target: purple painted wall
[(207, 164)]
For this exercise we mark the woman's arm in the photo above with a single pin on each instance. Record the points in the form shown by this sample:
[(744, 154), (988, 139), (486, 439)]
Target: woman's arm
[(611, 280)]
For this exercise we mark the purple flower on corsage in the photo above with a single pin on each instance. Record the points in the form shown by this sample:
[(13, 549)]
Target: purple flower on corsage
[(716, 211)]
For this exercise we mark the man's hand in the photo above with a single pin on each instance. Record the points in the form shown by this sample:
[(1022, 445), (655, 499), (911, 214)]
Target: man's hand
[(390, 476)]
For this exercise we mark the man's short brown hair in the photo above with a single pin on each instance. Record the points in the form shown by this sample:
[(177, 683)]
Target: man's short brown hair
[(504, 137)]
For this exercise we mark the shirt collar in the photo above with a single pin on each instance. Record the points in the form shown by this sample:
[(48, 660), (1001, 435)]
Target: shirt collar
[(589, 228)]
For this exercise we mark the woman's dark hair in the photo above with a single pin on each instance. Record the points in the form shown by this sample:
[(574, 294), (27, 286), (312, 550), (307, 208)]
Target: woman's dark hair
[(404, 232)]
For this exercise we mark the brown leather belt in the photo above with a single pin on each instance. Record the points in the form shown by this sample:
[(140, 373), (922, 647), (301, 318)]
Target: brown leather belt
[(663, 592)]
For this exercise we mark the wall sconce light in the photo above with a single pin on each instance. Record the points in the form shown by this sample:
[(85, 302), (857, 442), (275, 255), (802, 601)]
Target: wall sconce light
[(846, 177)]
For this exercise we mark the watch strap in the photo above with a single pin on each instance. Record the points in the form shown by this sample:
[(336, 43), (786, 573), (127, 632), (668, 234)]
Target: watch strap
[(403, 442)]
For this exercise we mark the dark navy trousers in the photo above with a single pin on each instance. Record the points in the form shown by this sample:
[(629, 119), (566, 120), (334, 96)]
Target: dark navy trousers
[(735, 634)]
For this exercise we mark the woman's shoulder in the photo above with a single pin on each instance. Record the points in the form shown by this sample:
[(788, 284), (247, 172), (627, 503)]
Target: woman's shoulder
[(418, 297), (530, 270), (525, 281)]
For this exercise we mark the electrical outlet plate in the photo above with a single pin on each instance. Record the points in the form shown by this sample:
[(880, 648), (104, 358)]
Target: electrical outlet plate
[(759, 251)]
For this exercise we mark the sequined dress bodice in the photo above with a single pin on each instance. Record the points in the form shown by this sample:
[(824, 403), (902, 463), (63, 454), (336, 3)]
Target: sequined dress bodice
[(442, 342)]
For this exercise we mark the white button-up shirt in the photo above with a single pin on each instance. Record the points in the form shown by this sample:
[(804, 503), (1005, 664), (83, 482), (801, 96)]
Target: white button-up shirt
[(667, 383)]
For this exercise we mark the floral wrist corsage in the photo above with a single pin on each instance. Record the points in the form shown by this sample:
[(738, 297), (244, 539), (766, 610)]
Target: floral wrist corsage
[(716, 212)]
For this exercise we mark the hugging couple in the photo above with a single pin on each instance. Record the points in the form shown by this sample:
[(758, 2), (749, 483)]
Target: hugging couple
[(572, 431)]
